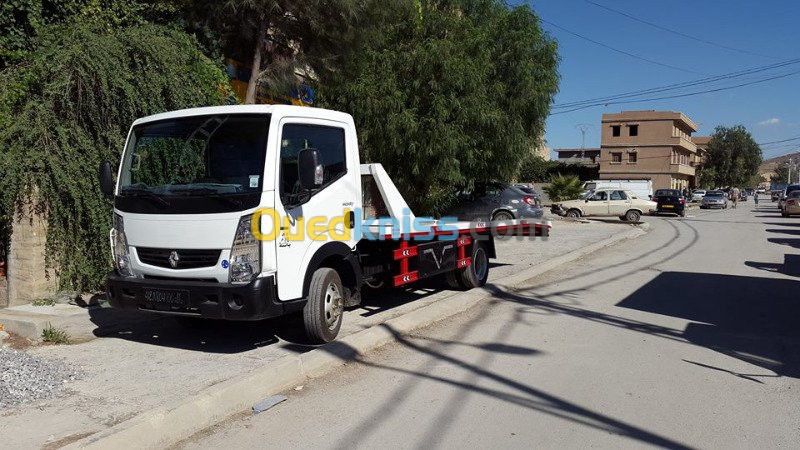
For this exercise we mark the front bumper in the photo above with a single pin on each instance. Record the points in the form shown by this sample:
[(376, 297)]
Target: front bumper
[(253, 301), (556, 209)]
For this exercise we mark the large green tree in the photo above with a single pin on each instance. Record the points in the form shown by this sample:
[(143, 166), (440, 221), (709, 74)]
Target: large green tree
[(279, 39), (732, 159), (69, 106), (447, 92)]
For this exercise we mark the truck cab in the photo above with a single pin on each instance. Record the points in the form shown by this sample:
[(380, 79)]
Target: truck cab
[(254, 211)]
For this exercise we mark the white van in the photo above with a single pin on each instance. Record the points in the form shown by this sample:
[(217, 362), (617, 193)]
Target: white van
[(642, 188)]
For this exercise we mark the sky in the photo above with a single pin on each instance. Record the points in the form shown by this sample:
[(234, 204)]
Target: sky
[(748, 34)]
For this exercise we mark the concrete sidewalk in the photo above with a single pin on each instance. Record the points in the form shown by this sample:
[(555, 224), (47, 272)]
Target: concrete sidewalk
[(155, 362)]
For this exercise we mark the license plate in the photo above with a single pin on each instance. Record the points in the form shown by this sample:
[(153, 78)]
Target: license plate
[(167, 297), (667, 206)]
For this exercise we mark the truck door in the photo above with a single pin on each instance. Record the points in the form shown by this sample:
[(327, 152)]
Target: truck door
[(618, 203), (311, 219)]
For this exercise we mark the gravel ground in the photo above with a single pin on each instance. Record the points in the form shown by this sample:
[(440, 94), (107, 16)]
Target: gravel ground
[(25, 378)]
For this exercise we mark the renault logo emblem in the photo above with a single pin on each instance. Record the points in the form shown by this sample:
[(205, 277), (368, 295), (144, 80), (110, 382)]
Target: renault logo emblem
[(174, 259)]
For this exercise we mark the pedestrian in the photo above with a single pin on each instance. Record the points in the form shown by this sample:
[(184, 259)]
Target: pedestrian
[(734, 197), (755, 197)]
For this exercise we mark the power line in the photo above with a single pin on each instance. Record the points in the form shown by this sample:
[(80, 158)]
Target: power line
[(669, 30), (689, 94), (780, 141), (680, 85), (642, 58)]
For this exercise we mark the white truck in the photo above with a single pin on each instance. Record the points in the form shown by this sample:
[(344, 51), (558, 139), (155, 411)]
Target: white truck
[(642, 188), (253, 211)]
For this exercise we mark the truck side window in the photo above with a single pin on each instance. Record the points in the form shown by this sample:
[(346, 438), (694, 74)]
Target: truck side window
[(329, 141)]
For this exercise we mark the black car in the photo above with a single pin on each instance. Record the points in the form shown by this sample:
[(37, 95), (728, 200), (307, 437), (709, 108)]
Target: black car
[(670, 201), (495, 201)]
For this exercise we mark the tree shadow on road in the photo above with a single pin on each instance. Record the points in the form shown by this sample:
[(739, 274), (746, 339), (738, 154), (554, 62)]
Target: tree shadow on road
[(748, 318)]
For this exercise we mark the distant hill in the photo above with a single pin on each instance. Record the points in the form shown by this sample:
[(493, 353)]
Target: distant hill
[(769, 165)]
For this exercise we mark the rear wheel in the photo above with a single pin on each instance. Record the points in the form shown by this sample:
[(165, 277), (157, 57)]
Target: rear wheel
[(573, 213), (477, 273), (633, 216), (322, 315), (502, 215)]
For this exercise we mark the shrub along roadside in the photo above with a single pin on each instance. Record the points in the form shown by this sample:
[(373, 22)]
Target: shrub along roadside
[(68, 106), (564, 188)]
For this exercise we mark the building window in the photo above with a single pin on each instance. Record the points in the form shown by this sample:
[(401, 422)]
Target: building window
[(616, 158), (633, 130), (632, 157), (615, 130)]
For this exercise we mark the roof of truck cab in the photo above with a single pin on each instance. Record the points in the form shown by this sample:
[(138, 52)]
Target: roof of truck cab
[(283, 110)]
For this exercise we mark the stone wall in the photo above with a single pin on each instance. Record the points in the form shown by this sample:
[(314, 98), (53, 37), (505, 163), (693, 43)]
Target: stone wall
[(27, 276)]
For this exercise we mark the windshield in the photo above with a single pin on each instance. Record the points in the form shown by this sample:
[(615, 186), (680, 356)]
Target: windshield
[(715, 194), (668, 192), (201, 155)]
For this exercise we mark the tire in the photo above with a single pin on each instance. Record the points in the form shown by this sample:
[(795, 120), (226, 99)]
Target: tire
[(573, 214), (478, 272), (783, 214), (502, 215), (454, 280), (633, 216), (322, 314), (682, 213)]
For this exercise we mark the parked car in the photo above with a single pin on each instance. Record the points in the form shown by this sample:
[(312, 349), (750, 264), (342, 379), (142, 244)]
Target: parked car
[(761, 190), (622, 203), (714, 199), (640, 188), (496, 201), (789, 189), (776, 195), (792, 206), (743, 195), (670, 201), (697, 195)]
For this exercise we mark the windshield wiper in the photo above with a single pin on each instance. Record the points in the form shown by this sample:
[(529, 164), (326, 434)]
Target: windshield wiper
[(210, 193), (143, 193)]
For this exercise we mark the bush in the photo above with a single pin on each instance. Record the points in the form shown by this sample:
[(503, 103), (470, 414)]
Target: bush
[(564, 188), (69, 106)]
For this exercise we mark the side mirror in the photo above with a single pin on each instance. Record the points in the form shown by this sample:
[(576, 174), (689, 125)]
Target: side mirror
[(650, 197), (309, 169), (106, 183)]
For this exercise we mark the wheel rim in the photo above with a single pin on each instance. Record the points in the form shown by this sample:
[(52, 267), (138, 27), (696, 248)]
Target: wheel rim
[(333, 305), (480, 264), (502, 216), (572, 214)]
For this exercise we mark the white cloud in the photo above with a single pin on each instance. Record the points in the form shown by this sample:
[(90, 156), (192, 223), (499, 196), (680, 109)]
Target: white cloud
[(768, 122)]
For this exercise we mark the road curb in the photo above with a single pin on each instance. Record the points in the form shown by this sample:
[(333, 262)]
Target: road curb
[(168, 424)]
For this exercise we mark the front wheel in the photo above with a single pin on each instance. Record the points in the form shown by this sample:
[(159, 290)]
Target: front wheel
[(783, 214), (573, 214), (322, 314), (632, 216)]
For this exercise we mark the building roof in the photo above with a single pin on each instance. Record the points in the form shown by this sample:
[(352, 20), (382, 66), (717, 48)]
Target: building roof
[(647, 115), (559, 150), (701, 140)]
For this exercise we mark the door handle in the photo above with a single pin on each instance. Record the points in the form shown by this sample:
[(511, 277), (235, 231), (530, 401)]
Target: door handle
[(351, 216)]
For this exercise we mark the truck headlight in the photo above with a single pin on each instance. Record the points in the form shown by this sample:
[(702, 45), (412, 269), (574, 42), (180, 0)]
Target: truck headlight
[(119, 248), (245, 260)]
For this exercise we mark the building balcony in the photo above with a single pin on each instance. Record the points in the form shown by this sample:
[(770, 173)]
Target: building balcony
[(682, 169), (579, 161)]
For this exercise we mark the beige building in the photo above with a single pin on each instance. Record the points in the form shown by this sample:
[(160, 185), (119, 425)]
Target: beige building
[(654, 145), (581, 156)]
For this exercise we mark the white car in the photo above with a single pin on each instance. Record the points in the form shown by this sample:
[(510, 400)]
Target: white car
[(606, 202), (698, 194)]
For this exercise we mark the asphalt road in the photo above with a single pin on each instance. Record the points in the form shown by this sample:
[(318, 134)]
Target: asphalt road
[(686, 337)]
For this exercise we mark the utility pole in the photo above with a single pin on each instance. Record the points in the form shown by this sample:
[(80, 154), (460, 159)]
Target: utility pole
[(583, 127), (789, 177)]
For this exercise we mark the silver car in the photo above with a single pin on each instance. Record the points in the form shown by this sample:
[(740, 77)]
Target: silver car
[(698, 194), (714, 199)]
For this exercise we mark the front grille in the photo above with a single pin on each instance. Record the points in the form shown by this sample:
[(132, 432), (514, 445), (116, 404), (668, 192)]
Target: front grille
[(185, 259)]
